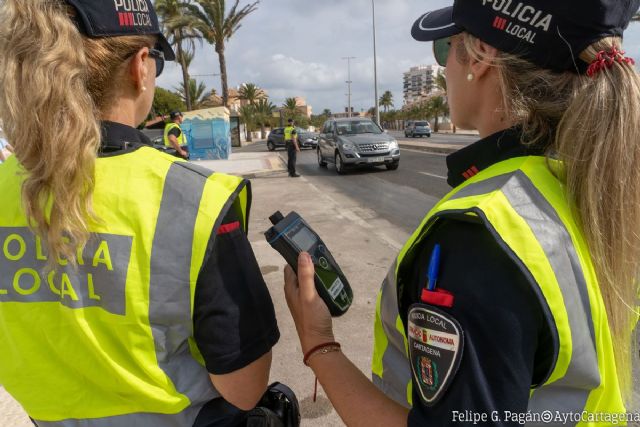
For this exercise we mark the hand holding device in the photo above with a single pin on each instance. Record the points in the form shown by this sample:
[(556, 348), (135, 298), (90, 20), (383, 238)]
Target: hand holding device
[(290, 236)]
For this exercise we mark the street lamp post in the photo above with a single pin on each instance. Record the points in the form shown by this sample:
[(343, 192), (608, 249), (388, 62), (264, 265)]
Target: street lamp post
[(349, 58), (375, 63)]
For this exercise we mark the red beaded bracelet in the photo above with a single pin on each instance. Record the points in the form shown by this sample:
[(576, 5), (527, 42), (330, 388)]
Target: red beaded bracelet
[(322, 349)]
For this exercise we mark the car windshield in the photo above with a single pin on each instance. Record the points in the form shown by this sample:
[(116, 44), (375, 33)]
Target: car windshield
[(422, 124), (358, 127)]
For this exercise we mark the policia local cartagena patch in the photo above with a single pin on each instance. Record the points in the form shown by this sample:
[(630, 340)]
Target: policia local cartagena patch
[(436, 342)]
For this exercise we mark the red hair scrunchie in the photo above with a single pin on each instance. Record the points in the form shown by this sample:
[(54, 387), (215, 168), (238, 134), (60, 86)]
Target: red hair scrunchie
[(608, 59)]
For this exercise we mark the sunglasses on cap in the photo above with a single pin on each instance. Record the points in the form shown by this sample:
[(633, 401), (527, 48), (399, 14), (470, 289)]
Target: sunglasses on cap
[(158, 56), (441, 49)]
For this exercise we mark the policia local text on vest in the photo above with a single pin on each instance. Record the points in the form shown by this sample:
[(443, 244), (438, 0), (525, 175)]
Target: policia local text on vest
[(133, 289)]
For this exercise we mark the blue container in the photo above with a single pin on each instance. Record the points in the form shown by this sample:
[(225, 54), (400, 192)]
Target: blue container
[(208, 133)]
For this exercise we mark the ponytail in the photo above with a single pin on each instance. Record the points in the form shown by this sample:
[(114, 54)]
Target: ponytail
[(53, 87), (599, 141)]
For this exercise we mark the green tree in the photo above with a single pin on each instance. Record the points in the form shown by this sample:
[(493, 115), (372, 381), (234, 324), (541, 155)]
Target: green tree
[(248, 116), (218, 26), (182, 29), (437, 106), (251, 93), (386, 101), (197, 93), (166, 101), (290, 108), (264, 113), (326, 112), (441, 81)]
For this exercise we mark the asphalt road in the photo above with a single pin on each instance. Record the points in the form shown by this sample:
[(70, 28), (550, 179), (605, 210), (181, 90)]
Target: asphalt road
[(402, 196)]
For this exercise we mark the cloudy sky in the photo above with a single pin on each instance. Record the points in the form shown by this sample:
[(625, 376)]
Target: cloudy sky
[(294, 48)]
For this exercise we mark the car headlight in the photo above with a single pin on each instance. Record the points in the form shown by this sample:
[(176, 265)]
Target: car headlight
[(393, 145), (348, 146)]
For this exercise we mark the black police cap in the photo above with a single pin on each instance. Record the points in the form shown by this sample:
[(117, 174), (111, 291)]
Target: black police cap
[(174, 114), (109, 18), (549, 33)]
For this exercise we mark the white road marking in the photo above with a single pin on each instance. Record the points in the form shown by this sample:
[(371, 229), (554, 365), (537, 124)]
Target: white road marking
[(429, 153), (435, 176)]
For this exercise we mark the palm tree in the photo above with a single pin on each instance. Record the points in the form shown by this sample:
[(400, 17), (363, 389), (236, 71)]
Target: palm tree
[(441, 81), (218, 26), (264, 112), (386, 100), (437, 106), (197, 93), (248, 115), (182, 29), (290, 107), (326, 112), (252, 93)]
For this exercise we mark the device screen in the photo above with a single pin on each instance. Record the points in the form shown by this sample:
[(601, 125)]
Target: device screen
[(304, 238)]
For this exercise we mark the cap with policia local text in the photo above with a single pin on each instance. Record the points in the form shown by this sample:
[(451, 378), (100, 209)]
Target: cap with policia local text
[(109, 18), (549, 33)]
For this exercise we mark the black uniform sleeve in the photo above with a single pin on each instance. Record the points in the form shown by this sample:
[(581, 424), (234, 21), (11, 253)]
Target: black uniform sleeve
[(508, 343), (175, 132), (234, 319)]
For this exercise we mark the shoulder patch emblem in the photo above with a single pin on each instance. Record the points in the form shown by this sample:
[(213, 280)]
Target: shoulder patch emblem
[(436, 343)]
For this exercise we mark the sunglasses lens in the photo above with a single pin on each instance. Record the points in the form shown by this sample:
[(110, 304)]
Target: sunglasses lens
[(441, 50), (159, 66)]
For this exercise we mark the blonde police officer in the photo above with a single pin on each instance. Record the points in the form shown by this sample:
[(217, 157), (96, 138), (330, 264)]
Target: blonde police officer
[(122, 301), (514, 301)]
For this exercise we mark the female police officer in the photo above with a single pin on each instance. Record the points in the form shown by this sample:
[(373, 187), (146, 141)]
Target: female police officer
[(530, 317), (128, 305)]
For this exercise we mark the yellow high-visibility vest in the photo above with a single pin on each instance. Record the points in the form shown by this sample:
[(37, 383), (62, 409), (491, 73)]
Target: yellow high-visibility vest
[(289, 133), (524, 205), (111, 342), (181, 139)]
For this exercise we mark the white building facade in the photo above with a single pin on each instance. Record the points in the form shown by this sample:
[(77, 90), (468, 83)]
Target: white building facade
[(419, 82)]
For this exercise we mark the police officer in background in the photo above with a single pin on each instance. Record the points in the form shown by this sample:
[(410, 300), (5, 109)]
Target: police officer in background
[(174, 136), (515, 299), (138, 300), (291, 142)]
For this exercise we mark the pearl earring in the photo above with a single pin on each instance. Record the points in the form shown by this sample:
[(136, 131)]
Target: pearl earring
[(470, 77), (144, 88)]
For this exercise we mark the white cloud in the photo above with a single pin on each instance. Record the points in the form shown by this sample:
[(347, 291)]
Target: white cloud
[(294, 48)]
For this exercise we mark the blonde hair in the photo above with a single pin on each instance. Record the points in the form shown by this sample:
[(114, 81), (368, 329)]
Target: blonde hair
[(54, 85), (594, 126)]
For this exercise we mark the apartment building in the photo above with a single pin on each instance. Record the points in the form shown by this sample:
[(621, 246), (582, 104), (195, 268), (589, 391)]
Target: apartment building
[(419, 82)]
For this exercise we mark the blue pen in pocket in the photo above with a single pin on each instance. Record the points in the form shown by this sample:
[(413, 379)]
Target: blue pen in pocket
[(434, 267)]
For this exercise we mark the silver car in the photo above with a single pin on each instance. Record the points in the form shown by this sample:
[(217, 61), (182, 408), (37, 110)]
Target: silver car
[(356, 141)]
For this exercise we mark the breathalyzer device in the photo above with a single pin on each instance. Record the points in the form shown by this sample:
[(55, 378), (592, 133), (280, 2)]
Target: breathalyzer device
[(291, 235)]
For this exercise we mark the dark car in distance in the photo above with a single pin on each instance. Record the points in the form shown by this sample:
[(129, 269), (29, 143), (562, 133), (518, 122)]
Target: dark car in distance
[(306, 139)]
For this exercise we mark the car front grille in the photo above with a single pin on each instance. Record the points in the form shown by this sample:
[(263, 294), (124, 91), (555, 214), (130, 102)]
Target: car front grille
[(373, 148), (384, 153)]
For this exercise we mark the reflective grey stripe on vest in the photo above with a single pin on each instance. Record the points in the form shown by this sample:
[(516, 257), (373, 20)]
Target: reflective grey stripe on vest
[(569, 393), (396, 372), (169, 291), (170, 304)]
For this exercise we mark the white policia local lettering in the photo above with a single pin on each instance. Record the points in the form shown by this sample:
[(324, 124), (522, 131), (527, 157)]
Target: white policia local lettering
[(524, 13), (131, 6)]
